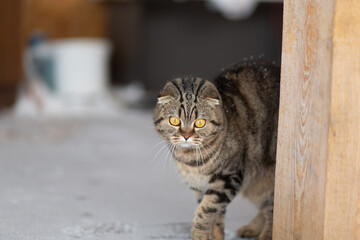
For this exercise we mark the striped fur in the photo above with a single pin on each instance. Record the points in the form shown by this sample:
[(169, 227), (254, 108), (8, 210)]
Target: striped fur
[(234, 152)]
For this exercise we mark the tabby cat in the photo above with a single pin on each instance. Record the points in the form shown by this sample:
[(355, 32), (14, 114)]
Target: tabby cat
[(222, 136)]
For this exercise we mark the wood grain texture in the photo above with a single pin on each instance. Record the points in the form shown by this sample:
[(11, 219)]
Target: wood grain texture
[(303, 123), (10, 43), (342, 211), (10, 51), (317, 176), (65, 18)]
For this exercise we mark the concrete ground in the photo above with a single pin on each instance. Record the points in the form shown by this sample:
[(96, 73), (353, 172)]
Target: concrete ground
[(94, 179)]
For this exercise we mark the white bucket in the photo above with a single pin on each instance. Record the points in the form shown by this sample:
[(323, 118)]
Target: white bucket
[(80, 66)]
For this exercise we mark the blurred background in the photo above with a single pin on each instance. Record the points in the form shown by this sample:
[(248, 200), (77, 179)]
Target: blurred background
[(119, 43), (78, 82)]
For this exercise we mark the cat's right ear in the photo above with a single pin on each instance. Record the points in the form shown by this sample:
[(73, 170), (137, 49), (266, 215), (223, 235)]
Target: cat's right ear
[(166, 94)]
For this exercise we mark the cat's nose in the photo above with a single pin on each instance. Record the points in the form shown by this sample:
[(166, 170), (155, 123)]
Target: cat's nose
[(186, 137)]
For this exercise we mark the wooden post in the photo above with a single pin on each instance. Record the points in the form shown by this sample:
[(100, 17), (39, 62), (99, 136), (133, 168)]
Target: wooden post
[(317, 192), (10, 51)]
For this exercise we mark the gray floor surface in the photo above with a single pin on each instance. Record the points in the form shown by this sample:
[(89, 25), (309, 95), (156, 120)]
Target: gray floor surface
[(94, 178)]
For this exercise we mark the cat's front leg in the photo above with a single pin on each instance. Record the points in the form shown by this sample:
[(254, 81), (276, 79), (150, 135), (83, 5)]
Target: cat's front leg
[(209, 210), (219, 226)]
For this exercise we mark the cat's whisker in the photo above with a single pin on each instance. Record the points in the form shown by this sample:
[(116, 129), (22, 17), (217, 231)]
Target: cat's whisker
[(161, 149), (197, 163), (205, 151), (172, 153), (217, 154), (212, 148), (198, 149), (166, 154), (202, 157), (208, 153), (158, 152), (166, 157), (198, 160), (157, 144)]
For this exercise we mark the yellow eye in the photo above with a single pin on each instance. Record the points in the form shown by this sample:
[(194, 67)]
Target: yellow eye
[(174, 121), (200, 123)]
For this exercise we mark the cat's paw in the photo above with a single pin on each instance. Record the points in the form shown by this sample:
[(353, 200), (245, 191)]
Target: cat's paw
[(266, 234), (247, 232), (197, 234), (264, 238), (218, 232)]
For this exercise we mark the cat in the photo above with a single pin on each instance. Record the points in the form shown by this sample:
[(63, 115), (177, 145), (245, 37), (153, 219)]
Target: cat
[(222, 136)]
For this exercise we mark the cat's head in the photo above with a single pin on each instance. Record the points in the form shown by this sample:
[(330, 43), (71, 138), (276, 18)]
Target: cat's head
[(189, 112)]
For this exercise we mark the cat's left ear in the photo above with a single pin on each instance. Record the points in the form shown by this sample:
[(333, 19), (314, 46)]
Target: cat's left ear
[(163, 99), (211, 94), (166, 94)]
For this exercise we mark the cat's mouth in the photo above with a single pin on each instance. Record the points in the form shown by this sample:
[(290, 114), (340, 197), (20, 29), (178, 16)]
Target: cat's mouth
[(189, 142), (186, 144)]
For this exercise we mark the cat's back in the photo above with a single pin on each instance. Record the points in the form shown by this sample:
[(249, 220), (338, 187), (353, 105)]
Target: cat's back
[(247, 80), (250, 95)]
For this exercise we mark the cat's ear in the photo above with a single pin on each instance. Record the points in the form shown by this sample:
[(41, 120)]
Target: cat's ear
[(211, 94), (214, 101), (166, 94), (164, 99)]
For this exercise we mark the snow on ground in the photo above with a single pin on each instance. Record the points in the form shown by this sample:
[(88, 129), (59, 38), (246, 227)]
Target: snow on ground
[(94, 179)]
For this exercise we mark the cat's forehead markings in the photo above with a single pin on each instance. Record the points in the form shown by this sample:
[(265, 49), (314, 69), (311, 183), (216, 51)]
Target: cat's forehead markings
[(188, 96), (187, 83)]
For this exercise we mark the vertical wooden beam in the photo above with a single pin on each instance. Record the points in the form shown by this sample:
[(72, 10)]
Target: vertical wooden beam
[(303, 120), (342, 198), (10, 50), (317, 193)]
